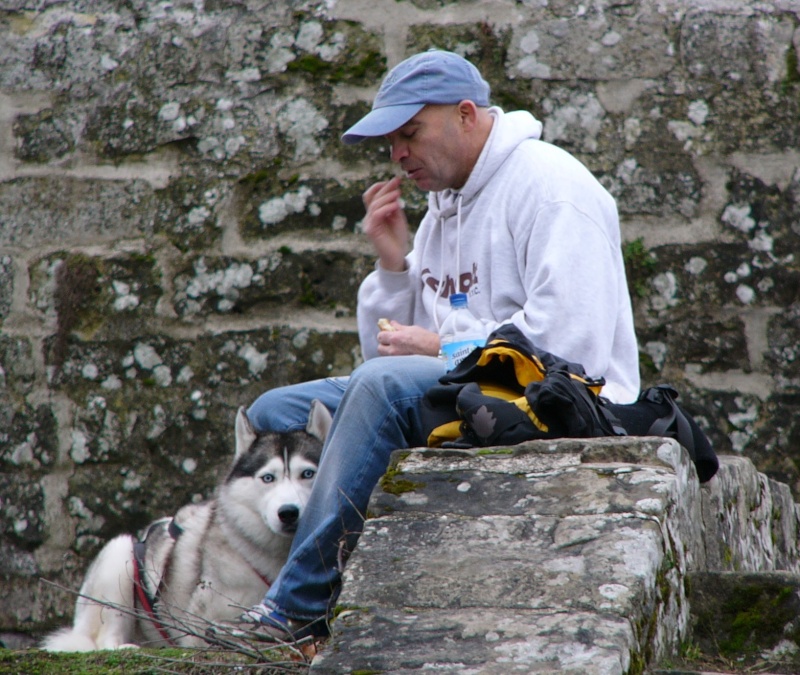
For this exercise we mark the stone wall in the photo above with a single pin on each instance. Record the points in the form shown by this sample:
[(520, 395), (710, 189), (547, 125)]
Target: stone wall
[(179, 225)]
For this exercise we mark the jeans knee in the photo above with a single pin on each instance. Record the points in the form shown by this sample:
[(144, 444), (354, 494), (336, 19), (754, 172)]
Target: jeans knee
[(269, 412), (390, 375)]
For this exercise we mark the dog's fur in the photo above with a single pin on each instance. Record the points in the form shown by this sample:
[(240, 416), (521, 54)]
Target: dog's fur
[(227, 551)]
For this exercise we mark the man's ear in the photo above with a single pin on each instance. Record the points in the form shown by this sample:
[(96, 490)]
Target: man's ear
[(468, 114)]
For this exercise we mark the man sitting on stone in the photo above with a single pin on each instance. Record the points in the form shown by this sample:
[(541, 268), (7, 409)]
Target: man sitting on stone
[(520, 226)]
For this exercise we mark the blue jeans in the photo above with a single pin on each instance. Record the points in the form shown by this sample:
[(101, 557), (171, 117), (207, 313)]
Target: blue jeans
[(376, 411)]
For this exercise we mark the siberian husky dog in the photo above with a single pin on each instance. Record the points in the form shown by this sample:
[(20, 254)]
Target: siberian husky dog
[(208, 563)]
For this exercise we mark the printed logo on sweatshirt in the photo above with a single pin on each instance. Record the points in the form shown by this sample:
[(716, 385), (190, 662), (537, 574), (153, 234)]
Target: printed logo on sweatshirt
[(467, 282)]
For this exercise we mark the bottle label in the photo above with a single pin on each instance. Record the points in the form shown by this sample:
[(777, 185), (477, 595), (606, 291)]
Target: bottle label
[(455, 352)]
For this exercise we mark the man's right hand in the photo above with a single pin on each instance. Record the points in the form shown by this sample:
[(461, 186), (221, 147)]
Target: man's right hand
[(386, 225), (401, 340)]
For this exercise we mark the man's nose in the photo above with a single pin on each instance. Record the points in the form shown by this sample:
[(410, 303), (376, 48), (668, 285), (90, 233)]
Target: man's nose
[(399, 151)]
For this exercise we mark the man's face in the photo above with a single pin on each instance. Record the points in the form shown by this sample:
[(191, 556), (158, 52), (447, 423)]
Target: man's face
[(430, 148)]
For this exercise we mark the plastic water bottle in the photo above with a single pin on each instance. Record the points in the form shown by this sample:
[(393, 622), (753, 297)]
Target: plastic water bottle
[(460, 332)]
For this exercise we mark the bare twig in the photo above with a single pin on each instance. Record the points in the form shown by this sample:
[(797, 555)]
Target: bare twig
[(239, 639)]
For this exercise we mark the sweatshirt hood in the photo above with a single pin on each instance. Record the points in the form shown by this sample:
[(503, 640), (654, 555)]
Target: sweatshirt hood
[(508, 131)]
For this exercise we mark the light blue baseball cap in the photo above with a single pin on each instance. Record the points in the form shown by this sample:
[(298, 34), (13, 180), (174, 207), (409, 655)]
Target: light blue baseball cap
[(434, 77)]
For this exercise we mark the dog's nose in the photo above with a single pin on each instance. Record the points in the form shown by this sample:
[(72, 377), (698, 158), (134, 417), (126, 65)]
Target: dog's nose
[(288, 514)]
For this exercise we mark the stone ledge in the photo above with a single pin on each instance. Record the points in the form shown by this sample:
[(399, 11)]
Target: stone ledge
[(568, 556)]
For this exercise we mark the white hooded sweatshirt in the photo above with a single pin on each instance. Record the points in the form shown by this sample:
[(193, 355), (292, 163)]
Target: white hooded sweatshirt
[(534, 240)]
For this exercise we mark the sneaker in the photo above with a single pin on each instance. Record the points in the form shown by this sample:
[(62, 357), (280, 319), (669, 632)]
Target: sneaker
[(260, 623), (274, 624)]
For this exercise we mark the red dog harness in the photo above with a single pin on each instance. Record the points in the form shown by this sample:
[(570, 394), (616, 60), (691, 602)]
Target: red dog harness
[(149, 600), (146, 599)]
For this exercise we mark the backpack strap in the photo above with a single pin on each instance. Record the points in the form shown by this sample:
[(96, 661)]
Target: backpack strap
[(661, 394), (605, 420)]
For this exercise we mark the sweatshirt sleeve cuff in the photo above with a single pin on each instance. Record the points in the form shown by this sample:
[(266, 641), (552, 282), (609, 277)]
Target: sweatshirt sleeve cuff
[(392, 281)]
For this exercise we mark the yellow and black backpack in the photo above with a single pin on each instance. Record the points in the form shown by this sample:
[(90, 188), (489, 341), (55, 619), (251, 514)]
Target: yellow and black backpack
[(510, 391)]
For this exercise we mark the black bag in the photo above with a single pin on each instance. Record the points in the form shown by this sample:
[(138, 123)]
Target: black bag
[(510, 391), (657, 413)]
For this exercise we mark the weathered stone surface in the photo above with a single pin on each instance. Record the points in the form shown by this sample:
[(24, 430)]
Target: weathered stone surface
[(559, 564), (750, 522), (152, 153), (573, 556), (275, 207), (783, 340), (597, 44), (480, 643), (22, 511), (6, 285), (746, 616), (81, 211), (232, 366), (224, 286), (29, 436)]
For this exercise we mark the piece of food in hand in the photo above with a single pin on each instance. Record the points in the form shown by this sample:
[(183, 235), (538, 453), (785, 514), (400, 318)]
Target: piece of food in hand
[(384, 324)]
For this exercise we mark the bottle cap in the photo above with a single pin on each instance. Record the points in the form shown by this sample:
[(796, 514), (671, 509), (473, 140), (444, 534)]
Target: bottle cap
[(458, 300)]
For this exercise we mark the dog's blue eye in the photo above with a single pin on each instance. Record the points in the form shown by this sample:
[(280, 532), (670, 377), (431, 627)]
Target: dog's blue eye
[(268, 478), (308, 473)]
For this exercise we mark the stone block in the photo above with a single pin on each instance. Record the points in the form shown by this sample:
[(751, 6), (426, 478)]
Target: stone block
[(747, 529), (80, 211), (590, 45), (22, 512), (484, 642), (747, 617), (572, 563), (600, 528), (216, 285), (28, 435)]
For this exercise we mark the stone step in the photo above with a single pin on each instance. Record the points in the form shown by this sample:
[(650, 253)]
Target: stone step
[(540, 558), (683, 671), (569, 556)]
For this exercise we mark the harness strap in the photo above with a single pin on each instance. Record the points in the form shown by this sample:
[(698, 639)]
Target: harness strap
[(145, 599), (173, 529), (149, 601)]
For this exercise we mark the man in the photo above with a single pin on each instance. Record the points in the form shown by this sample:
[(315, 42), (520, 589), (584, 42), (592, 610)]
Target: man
[(520, 226)]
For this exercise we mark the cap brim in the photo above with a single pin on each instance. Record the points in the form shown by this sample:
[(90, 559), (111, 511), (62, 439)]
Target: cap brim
[(380, 122)]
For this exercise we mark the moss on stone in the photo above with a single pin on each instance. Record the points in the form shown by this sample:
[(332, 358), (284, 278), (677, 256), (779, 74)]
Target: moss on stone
[(314, 65), (639, 265), (637, 666), (727, 557), (391, 483), (43, 136), (398, 486), (75, 284), (358, 61), (495, 451), (753, 614), (792, 71)]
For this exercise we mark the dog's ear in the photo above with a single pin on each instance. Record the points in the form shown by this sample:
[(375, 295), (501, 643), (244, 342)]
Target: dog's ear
[(319, 421), (245, 434)]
